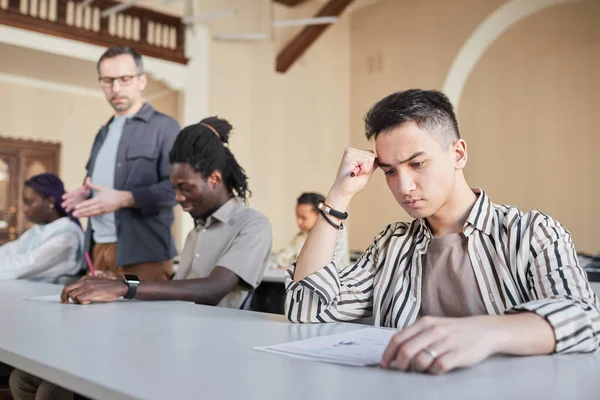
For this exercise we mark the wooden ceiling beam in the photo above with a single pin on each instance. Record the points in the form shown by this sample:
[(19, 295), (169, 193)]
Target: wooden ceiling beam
[(290, 3), (307, 36)]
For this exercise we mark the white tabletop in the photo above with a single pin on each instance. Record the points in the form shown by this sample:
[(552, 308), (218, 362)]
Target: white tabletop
[(276, 275), (175, 350)]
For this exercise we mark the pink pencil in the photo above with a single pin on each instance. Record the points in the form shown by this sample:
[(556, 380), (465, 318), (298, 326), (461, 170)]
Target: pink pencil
[(90, 265)]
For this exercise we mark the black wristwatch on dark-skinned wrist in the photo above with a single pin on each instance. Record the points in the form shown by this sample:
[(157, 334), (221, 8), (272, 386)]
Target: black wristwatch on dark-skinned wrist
[(132, 282)]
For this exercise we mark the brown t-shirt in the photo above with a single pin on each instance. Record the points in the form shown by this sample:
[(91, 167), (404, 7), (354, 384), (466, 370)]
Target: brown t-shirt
[(449, 287)]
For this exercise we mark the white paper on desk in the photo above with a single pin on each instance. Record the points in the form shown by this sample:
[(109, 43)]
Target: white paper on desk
[(54, 298), (358, 348)]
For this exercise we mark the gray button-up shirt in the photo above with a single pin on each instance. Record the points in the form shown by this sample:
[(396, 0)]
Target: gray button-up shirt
[(235, 237), (142, 168)]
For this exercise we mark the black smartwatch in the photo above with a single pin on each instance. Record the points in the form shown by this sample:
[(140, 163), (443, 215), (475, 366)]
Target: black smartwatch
[(132, 282)]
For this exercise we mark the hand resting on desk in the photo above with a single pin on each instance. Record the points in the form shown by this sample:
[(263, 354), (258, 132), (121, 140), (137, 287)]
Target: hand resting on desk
[(96, 289), (437, 345)]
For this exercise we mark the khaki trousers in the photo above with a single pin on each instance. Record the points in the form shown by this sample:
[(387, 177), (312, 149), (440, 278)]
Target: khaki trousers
[(104, 258)]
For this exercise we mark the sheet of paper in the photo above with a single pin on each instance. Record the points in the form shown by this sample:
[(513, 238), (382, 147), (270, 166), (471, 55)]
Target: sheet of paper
[(55, 298), (359, 348)]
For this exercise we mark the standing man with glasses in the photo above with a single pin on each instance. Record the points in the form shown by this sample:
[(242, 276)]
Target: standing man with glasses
[(126, 194)]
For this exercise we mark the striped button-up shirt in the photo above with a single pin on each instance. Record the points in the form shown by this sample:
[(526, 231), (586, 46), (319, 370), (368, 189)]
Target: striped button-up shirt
[(522, 262)]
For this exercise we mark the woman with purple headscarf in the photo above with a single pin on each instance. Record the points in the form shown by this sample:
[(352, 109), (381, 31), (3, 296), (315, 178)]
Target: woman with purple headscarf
[(53, 247)]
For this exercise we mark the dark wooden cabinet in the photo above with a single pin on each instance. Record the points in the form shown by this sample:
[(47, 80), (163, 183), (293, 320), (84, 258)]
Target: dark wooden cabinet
[(20, 160)]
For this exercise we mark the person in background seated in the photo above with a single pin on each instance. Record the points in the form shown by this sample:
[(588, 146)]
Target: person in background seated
[(54, 245), (307, 215), (226, 254)]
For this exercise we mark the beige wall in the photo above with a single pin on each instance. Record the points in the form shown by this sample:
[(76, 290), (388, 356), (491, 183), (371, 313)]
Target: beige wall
[(290, 128), (526, 111)]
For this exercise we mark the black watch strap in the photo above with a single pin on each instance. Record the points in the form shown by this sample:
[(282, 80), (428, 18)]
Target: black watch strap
[(336, 226), (132, 282), (332, 211)]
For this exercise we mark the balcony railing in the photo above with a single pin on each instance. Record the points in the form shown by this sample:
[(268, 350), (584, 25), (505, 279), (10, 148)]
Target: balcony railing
[(151, 33)]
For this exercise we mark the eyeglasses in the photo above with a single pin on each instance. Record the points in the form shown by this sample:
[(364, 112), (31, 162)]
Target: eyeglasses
[(124, 80)]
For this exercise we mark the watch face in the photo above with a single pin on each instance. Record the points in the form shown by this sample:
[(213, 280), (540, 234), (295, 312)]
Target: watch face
[(131, 278)]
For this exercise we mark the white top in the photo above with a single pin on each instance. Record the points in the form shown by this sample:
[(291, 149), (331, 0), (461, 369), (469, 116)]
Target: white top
[(43, 252), (285, 257), (275, 275), (176, 350)]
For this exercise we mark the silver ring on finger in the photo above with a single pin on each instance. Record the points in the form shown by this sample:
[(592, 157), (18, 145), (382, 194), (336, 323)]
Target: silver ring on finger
[(432, 353)]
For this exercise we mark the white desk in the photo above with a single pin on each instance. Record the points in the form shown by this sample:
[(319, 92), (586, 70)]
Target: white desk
[(596, 288), (276, 275), (151, 350)]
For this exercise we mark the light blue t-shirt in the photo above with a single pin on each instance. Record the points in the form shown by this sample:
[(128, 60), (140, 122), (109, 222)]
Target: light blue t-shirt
[(103, 226)]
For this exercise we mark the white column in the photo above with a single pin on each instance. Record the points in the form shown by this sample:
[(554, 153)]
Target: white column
[(195, 91)]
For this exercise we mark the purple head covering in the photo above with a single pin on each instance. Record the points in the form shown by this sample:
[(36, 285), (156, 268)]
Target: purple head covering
[(50, 185)]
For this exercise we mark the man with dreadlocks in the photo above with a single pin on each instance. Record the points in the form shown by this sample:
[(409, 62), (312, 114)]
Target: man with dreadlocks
[(226, 254)]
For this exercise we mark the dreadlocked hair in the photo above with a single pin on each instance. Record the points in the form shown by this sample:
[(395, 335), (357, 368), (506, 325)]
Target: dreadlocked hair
[(205, 150)]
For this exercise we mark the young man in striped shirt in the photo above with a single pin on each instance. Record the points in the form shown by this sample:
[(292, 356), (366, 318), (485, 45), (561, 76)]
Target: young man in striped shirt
[(467, 278)]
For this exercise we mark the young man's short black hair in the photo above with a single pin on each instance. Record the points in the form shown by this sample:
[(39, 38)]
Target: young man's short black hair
[(118, 51), (431, 110)]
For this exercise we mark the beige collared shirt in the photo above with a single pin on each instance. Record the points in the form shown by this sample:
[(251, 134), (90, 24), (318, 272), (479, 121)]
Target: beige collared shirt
[(286, 256), (235, 237)]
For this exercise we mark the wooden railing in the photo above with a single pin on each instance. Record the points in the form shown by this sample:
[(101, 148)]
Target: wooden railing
[(151, 33)]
